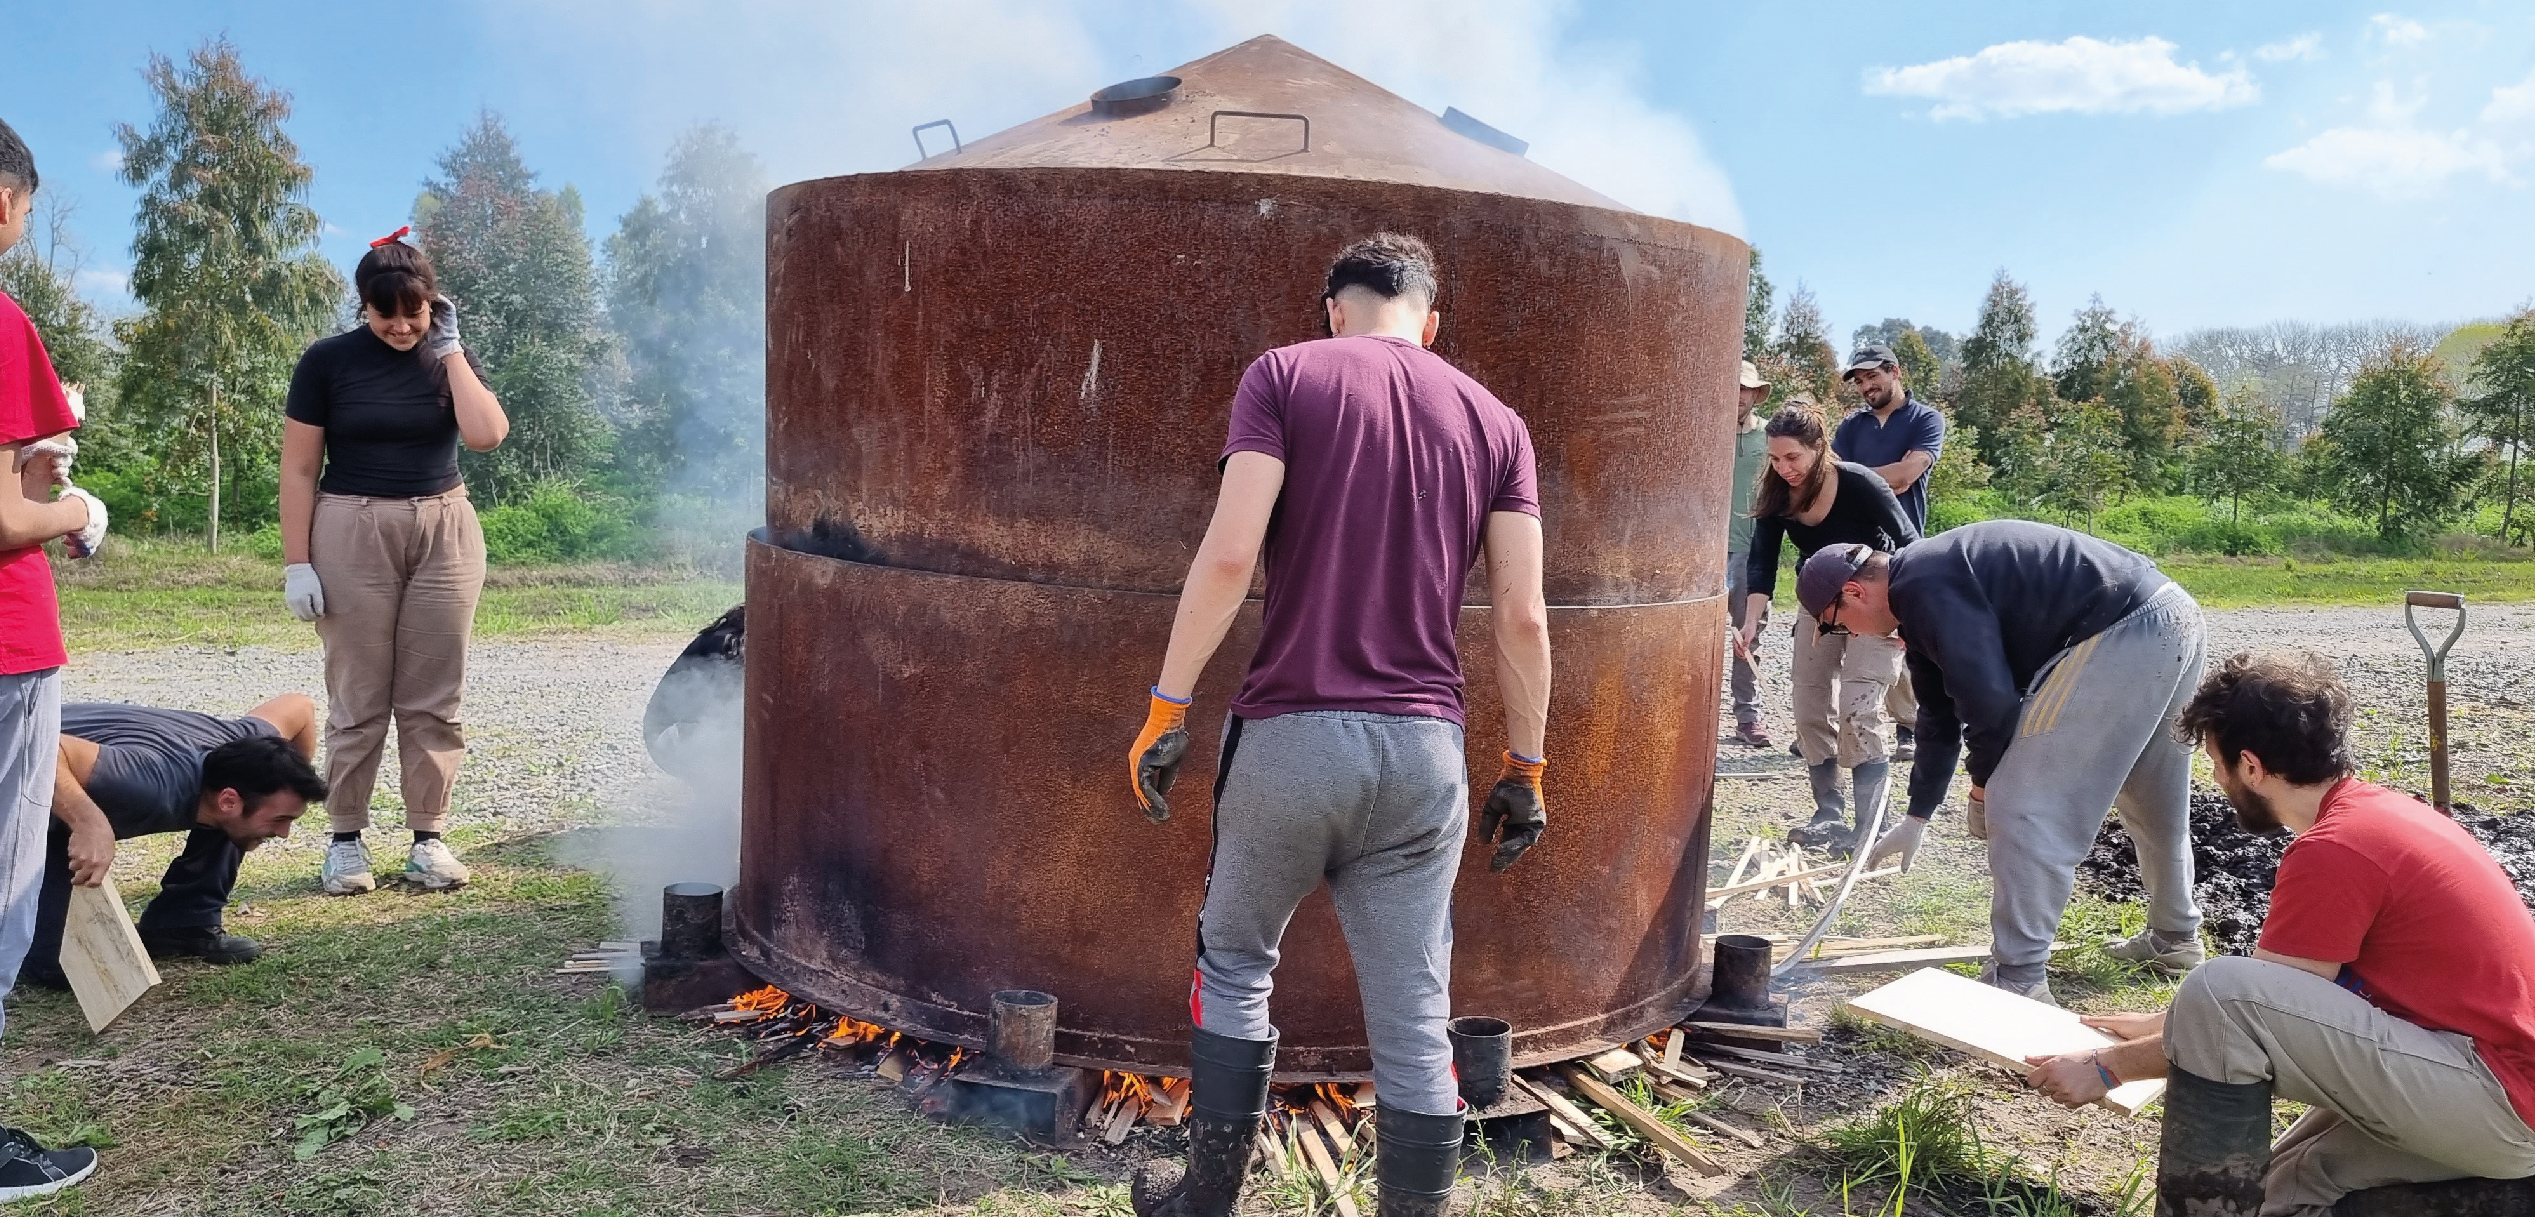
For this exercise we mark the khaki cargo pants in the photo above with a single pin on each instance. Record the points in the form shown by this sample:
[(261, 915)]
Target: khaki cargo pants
[(1840, 682), (2392, 1102), (401, 578)]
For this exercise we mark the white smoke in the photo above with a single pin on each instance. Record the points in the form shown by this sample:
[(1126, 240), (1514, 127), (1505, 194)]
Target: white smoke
[(827, 88)]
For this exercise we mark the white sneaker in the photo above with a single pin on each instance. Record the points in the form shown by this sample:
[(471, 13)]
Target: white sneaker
[(347, 871), (431, 866)]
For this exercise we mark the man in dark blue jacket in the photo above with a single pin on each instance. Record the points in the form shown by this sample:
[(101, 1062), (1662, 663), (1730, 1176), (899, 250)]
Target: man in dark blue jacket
[(2061, 660)]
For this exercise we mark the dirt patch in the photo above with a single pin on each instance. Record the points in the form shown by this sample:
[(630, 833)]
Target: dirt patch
[(2235, 869)]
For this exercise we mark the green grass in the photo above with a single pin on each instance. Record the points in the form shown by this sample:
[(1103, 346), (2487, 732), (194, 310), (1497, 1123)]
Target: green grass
[(1925, 1151), (530, 1093), (2228, 583), (144, 593)]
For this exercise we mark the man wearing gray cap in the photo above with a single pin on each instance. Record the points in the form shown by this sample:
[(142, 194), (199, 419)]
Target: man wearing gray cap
[(2064, 660), (1900, 439), (1746, 466)]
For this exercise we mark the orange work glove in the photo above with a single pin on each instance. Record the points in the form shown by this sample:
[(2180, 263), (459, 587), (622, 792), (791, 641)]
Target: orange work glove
[(1515, 812), (1158, 753)]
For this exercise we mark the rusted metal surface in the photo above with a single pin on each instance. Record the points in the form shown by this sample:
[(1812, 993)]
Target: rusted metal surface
[(936, 808), (1024, 373), (1001, 380)]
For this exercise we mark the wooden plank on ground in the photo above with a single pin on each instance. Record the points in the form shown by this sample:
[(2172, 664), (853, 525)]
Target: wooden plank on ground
[(1331, 1176), (1755, 1074), (1676, 1049), (1991, 1024), (1641, 1121), (1896, 961), (1615, 1064), (1680, 1094), (1788, 1035), (1565, 1112), (1748, 855), (102, 954)]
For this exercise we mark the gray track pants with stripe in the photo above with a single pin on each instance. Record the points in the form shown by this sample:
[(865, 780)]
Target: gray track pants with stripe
[(2096, 731), (1373, 804)]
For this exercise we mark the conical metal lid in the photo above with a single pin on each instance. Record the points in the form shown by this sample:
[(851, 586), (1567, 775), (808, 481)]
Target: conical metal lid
[(1329, 123)]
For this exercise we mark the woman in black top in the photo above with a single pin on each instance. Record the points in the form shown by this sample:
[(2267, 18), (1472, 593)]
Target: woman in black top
[(383, 551), (1839, 682)]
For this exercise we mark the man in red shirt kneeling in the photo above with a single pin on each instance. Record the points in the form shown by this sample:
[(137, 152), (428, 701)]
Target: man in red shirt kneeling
[(2392, 989)]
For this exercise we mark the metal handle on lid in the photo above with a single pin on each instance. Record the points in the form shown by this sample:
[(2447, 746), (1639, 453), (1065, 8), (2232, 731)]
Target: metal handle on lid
[(1306, 128), (945, 123)]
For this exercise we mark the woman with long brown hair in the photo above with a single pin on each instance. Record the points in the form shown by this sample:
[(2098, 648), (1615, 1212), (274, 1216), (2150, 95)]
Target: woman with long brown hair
[(1839, 682), (383, 552)]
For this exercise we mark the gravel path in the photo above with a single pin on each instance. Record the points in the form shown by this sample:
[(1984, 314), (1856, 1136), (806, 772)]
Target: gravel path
[(552, 721)]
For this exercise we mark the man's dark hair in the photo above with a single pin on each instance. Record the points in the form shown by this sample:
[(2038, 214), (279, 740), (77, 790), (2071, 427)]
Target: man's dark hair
[(2290, 710), (258, 766), (1389, 264), (17, 165), (394, 279)]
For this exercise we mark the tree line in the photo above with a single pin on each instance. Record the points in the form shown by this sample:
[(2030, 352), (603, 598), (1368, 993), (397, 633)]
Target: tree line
[(2407, 430), (631, 373)]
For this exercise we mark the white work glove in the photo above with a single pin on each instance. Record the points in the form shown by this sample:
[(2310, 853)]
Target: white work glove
[(60, 449), (1903, 841), (1977, 815), (84, 543), (300, 592), (443, 338)]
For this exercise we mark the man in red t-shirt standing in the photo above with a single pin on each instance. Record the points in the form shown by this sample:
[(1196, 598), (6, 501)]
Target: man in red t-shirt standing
[(32, 408), (1369, 475), (2392, 990)]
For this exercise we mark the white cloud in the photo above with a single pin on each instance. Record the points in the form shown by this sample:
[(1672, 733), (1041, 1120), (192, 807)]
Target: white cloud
[(2077, 76), (2302, 46), (2394, 156), (2399, 31), (109, 161)]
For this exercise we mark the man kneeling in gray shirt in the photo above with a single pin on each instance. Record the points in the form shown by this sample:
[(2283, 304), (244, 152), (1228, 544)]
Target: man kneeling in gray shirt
[(231, 784)]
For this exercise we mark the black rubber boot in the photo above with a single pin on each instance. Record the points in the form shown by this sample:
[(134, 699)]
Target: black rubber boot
[(1416, 1162), (1231, 1084), (1827, 820), (2214, 1154), (206, 943), (1871, 795)]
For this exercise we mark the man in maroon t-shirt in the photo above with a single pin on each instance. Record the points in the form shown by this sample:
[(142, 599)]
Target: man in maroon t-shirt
[(1370, 475), (2392, 990)]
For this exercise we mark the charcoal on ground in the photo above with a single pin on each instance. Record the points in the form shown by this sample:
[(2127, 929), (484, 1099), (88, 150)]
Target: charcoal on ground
[(2236, 869)]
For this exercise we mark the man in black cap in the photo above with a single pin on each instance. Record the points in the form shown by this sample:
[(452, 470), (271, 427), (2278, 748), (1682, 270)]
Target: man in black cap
[(2065, 660), (1900, 439)]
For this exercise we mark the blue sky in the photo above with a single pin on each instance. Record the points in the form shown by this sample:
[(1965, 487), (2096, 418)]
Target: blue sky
[(2196, 164)]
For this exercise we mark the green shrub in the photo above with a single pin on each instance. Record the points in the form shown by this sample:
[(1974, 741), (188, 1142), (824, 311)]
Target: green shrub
[(560, 522)]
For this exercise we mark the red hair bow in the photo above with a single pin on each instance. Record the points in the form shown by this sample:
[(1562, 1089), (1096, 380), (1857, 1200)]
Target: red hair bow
[(401, 231)]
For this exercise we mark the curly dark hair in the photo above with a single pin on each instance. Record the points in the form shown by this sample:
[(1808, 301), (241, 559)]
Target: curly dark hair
[(1389, 264), (259, 765), (2289, 709)]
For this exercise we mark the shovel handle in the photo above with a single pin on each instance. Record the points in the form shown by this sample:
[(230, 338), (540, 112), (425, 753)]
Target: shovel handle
[(2443, 600)]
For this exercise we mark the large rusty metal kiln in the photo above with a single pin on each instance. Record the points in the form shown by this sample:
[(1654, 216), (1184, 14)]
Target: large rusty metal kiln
[(997, 386)]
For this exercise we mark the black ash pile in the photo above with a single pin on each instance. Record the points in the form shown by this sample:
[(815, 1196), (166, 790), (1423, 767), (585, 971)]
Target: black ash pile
[(2235, 869)]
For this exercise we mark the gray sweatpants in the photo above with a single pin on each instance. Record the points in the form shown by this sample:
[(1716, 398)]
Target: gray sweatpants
[(1373, 804), (30, 742), (2096, 730), (2392, 1102)]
